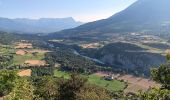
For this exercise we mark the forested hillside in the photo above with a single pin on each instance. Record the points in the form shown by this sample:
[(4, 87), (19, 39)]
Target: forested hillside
[(144, 16), (126, 57), (7, 38)]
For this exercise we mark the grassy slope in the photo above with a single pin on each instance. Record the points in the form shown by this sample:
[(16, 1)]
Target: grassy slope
[(114, 85)]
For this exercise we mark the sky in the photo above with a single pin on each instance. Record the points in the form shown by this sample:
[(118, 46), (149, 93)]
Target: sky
[(80, 10)]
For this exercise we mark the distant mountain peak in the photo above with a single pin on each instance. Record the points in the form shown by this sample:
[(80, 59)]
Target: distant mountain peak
[(42, 25)]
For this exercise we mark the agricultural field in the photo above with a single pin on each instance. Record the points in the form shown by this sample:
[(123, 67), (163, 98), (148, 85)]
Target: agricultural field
[(20, 59), (22, 53), (114, 85), (135, 84)]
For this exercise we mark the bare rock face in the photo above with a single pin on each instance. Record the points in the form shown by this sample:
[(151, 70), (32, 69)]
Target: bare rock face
[(129, 57)]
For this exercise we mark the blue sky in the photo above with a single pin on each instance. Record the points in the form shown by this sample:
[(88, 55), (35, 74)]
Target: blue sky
[(80, 10)]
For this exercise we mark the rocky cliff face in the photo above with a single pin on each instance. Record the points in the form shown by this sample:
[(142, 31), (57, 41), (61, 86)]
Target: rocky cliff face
[(128, 57), (133, 60)]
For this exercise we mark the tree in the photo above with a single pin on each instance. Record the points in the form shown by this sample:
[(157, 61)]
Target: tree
[(77, 88), (155, 94), (92, 92), (7, 81), (46, 87), (162, 75), (22, 90), (168, 56), (69, 88)]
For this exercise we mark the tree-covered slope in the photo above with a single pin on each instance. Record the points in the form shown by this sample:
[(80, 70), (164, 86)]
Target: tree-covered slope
[(127, 57)]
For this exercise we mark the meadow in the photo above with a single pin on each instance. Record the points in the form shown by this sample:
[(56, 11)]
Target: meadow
[(20, 59), (113, 85)]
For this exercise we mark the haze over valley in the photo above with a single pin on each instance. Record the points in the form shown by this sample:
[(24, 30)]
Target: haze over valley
[(35, 26), (124, 56)]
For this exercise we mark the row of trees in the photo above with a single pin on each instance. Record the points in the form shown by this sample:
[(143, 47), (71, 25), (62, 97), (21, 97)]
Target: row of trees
[(13, 87)]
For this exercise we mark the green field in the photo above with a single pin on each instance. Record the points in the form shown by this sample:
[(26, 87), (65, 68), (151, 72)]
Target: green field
[(19, 59), (61, 74), (114, 85)]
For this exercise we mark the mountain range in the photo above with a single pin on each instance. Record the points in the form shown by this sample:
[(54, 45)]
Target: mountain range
[(146, 16), (43, 25)]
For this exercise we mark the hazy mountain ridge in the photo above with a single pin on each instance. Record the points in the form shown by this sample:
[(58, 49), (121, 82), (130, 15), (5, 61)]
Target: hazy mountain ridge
[(143, 16), (43, 25)]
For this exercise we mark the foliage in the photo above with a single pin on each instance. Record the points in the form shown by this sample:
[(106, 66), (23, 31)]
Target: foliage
[(8, 38), (69, 88), (162, 75), (70, 61), (77, 88), (92, 92), (7, 81), (168, 56), (22, 90), (42, 70), (5, 60), (46, 87), (155, 94)]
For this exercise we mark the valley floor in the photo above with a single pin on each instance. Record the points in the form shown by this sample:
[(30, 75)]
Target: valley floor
[(114, 85), (135, 84)]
